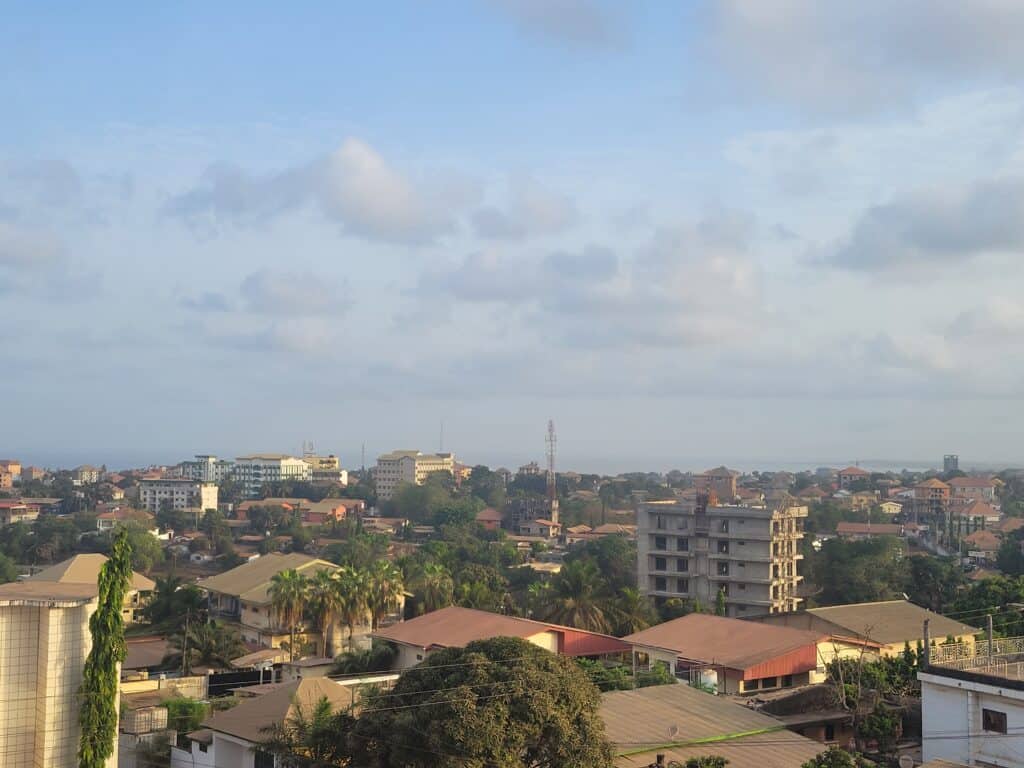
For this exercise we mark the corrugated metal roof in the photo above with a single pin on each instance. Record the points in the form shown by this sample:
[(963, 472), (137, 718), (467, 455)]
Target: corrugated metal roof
[(669, 719), (251, 581), (732, 643), (890, 621)]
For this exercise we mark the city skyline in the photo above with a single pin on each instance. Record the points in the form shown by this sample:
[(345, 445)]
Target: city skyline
[(697, 230)]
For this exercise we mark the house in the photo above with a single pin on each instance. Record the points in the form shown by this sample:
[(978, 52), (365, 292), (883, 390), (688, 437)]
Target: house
[(860, 531), (86, 475), (545, 529), (13, 468), (811, 493), (231, 738), (1009, 525), (16, 511), (850, 476), (241, 596), (675, 723), (737, 656), (891, 623), (454, 627), (890, 507), (6, 480), (977, 513), (85, 569), (974, 488), (720, 480), (977, 696), (489, 518), (46, 639), (108, 521), (982, 546), (311, 512), (931, 497)]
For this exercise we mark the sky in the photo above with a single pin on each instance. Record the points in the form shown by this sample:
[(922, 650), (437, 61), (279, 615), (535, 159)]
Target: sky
[(764, 233)]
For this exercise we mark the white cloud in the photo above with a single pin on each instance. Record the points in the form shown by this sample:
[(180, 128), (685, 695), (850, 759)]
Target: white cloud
[(998, 321), (532, 211), (25, 250), (280, 293), (869, 55)]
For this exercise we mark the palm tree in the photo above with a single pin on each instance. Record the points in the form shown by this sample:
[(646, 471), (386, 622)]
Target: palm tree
[(632, 612), (575, 598), (386, 590), (435, 585), (324, 602), (205, 644), (310, 737), (288, 599), (353, 598)]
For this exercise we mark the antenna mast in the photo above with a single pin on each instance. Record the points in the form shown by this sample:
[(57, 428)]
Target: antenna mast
[(552, 442)]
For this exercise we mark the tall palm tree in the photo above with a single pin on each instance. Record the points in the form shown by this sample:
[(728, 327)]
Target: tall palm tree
[(324, 602), (575, 598), (208, 644), (288, 599), (436, 587), (353, 599), (386, 590), (632, 612)]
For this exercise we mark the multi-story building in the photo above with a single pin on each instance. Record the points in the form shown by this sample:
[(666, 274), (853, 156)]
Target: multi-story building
[(28, 474), (972, 488), (86, 475), (207, 469), (850, 476), (326, 469), (950, 462), (931, 500), (180, 494), (260, 468), (694, 550), (85, 569), (11, 465), (45, 631), (398, 467), (721, 481), (6, 480)]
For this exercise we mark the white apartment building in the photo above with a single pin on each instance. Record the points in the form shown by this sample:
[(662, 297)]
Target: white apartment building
[(691, 551), (182, 494), (399, 467), (972, 705), (207, 469), (255, 470), (44, 641)]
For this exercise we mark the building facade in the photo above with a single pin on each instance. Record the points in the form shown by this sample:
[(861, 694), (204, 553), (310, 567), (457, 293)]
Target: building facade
[(721, 481), (45, 631), (180, 494), (256, 470), (207, 469), (326, 469), (398, 467), (694, 550), (13, 466)]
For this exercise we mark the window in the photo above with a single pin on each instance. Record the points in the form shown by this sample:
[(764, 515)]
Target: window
[(830, 732), (993, 721), (724, 526), (659, 522), (659, 564), (682, 564), (723, 569), (723, 547), (659, 542), (750, 685), (769, 682), (742, 586), (787, 680), (683, 545), (682, 585), (659, 584)]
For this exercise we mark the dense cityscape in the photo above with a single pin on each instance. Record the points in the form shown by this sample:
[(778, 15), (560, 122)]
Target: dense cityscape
[(276, 608)]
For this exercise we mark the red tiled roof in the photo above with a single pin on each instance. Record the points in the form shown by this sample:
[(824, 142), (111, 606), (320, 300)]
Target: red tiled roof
[(972, 482), (931, 482), (854, 471), (490, 514)]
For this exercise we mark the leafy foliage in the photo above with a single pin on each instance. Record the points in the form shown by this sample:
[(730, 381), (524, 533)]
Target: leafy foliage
[(205, 644), (834, 757), (377, 658), (184, 714), (503, 703), (311, 738), (98, 713)]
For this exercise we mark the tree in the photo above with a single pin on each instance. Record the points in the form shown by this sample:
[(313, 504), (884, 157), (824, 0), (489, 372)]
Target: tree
[(575, 598), (934, 581), (8, 570), (325, 603), (377, 658), (434, 586), (614, 557), (354, 599), (185, 714), (833, 757), (720, 602), (503, 703), (311, 737), (706, 761), (98, 693), (288, 600), (881, 726), (172, 601), (146, 548), (205, 644), (632, 612), (386, 590)]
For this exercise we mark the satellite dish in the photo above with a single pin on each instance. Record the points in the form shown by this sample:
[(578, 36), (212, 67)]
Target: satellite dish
[(906, 761)]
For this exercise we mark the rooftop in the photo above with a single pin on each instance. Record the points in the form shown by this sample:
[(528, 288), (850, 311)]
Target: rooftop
[(854, 471), (251, 581), (732, 643), (249, 719), (85, 569), (931, 482), (972, 482), (44, 593), (889, 621), (682, 722), (869, 529)]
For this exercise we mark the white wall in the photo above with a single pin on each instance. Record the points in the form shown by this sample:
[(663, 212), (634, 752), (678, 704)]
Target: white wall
[(951, 713)]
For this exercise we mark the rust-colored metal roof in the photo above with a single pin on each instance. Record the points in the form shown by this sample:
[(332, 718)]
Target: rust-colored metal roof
[(734, 643)]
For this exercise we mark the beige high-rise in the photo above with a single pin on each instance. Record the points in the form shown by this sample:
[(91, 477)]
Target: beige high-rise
[(691, 551), (44, 640)]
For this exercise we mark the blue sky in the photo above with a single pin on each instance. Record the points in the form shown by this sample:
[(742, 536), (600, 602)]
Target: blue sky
[(688, 232)]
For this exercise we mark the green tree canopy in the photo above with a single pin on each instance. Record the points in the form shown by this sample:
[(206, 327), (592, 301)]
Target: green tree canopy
[(500, 703)]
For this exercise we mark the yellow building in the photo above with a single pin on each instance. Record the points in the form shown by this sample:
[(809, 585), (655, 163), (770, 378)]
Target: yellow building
[(85, 569), (398, 467)]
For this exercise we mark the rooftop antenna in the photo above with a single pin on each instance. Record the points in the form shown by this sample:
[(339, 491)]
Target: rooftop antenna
[(552, 442), (440, 448), (363, 469)]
